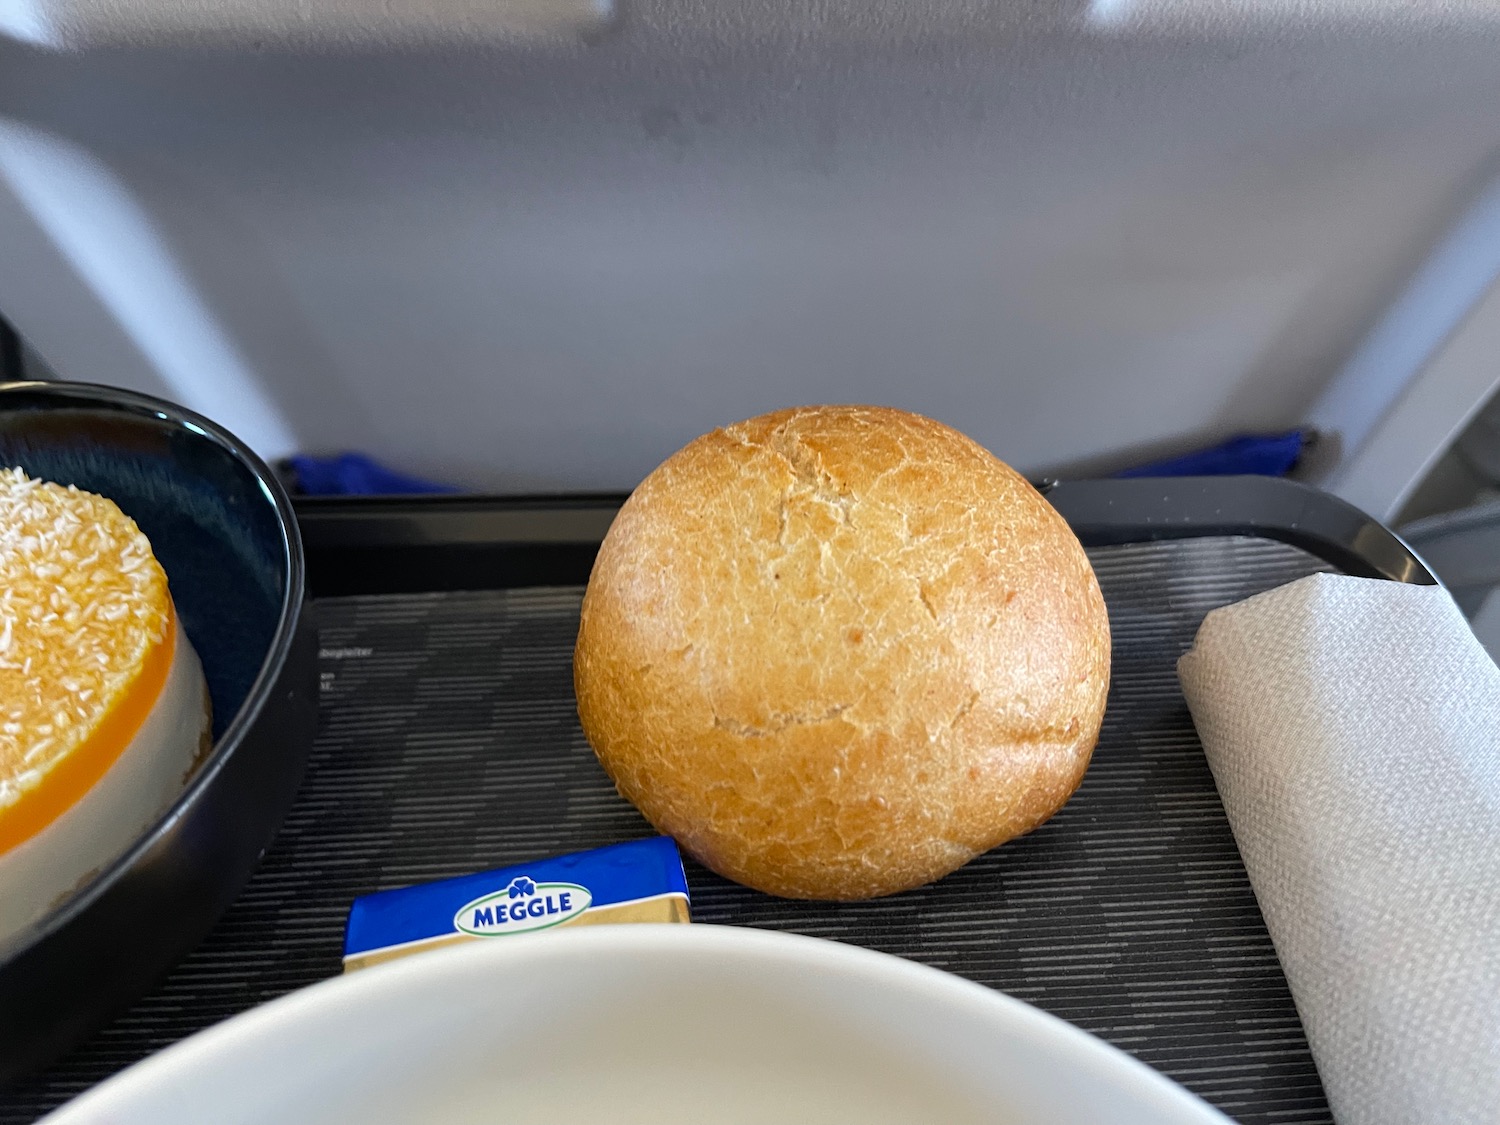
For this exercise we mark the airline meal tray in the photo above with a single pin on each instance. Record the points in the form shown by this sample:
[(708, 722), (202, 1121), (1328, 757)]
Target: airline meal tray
[(448, 744)]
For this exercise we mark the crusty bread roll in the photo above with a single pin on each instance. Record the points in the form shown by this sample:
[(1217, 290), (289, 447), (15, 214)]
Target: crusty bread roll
[(104, 710), (839, 651)]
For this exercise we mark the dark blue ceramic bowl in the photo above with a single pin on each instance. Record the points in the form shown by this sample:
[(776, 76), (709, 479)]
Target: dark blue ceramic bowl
[(223, 529)]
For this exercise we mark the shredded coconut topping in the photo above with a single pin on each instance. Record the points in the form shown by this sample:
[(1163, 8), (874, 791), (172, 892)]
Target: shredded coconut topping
[(82, 601)]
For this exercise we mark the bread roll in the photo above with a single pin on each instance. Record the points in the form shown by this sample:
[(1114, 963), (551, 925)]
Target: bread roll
[(103, 706), (839, 651)]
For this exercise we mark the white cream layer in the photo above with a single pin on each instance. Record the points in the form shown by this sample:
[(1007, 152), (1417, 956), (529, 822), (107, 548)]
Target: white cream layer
[(41, 872)]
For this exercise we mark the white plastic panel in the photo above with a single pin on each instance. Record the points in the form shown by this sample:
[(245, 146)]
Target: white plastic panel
[(252, 24), (548, 264), (1392, 454), (1235, 16)]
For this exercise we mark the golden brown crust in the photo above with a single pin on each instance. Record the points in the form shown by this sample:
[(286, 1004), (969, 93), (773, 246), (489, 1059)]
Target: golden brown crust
[(839, 651)]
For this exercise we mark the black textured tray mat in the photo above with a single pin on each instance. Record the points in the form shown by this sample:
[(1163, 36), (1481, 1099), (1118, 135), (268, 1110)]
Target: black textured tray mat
[(449, 744)]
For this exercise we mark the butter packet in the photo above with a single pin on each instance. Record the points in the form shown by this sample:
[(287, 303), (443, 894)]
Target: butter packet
[(640, 881)]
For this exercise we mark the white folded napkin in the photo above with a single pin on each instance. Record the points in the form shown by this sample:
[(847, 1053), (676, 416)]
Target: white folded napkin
[(1353, 728)]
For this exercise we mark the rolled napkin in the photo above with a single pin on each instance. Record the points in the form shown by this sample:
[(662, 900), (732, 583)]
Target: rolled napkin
[(1353, 729)]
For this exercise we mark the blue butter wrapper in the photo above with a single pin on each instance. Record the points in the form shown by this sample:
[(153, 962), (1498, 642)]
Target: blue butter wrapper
[(640, 881)]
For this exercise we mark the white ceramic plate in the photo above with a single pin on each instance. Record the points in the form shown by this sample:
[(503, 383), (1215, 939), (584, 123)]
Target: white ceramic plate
[(630, 1025)]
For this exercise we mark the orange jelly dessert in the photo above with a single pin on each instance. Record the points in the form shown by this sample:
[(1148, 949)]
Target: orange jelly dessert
[(103, 706)]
